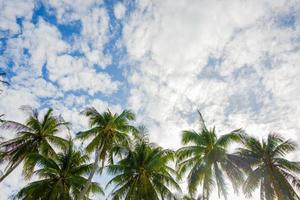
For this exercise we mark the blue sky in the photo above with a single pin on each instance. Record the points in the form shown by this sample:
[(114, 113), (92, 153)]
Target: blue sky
[(237, 61)]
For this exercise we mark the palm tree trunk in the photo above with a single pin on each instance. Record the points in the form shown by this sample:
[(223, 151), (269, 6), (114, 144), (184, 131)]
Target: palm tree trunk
[(203, 193), (276, 186), (10, 170), (89, 181), (262, 190)]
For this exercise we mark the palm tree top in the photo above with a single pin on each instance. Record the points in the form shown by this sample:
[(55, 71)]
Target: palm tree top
[(48, 124), (107, 131), (206, 157), (271, 171), (105, 126), (96, 118), (144, 173), (34, 136), (62, 177)]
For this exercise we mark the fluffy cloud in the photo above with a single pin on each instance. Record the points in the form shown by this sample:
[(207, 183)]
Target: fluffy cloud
[(10, 11), (12, 100), (95, 27), (75, 74), (208, 54), (119, 10)]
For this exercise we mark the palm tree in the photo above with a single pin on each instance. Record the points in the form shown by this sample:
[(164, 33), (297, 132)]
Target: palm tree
[(207, 159), (61, 177), (143, 174), (107, 131), (34, 136), (272, 172)]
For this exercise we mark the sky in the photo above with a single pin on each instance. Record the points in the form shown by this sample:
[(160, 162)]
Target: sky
[(237, 61)]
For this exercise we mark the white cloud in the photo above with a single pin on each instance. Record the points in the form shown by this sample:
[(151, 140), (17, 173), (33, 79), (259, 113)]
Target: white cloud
[(46, 47), (102, 106), (119, 10), (70, 10), (12, 183), (75, 74), (11, 10), (95, 27), (43, 41), (173, 42), (11, 100), (95, 35), (90, 81)]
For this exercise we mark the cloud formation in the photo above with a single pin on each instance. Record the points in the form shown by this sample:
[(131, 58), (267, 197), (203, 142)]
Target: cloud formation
[(232, 60)]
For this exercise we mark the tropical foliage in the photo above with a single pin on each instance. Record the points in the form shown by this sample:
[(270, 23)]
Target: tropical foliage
[(142, 170), (206, 158), (61, 177), (143, 173), (107, 131), (35, 136), (275, 175)]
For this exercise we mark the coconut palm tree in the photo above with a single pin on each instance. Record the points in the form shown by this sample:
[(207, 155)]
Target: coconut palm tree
[(35, 136), (107, 131), (61, 177), (206, 158), (272, 172), (143, 174)]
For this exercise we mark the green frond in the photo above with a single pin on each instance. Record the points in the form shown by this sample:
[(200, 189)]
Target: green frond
[(143, 172), (63, 174), (252, 181), (221, 184), (191, 137), (283, 148), (272, 173), (287, 165), (83, 135), (197, 174), (234, 136)]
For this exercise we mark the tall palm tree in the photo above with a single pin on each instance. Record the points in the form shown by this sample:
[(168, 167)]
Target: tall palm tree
[(143, 174), (61, 177), (277, 177), (35, 136), (206, 158), (107, 130)]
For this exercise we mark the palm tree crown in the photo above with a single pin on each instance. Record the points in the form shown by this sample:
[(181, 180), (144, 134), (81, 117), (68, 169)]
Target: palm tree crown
[(143, 174), (274, 174), (34, 136), (60, 177), (107, 131), (206, 157)]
